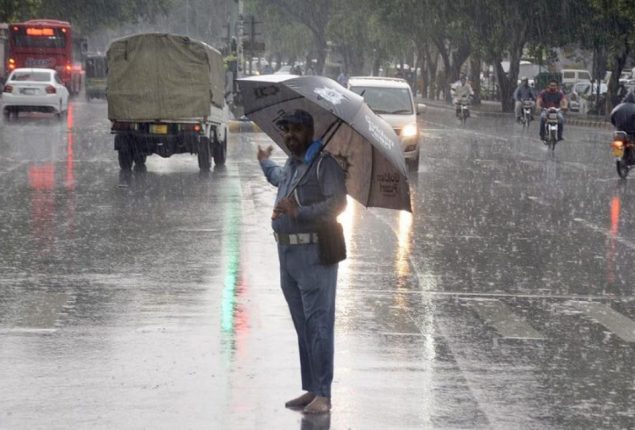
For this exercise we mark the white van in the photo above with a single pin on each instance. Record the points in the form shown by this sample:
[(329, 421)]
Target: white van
[(571, 76)]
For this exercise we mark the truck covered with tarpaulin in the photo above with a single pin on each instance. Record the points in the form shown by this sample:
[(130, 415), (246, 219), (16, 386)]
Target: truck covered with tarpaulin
[(165, 96)]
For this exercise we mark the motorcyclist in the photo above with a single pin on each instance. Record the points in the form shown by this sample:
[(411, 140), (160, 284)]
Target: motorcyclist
[(523, 93), (551, 97), (462, 91), (623, 115)]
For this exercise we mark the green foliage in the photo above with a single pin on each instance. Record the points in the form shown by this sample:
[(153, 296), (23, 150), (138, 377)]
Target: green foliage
[(17, 10), (281, 34), (86, 16)]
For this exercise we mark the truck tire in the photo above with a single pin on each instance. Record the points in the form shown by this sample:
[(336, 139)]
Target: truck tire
[(139, 161), (124, 150), (204, 159), (220, 152)]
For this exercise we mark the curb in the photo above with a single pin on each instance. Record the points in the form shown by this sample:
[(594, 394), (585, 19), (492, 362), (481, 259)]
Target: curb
[(568, 120), (236, 126)]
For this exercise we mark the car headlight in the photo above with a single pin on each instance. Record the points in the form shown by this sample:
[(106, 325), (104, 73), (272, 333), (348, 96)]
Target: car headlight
[(409, 131)]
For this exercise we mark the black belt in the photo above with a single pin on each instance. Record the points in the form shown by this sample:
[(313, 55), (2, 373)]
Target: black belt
[(296, 238)]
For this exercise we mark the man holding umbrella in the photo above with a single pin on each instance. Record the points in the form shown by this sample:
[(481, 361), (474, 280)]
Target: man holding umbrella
[(311, 191)]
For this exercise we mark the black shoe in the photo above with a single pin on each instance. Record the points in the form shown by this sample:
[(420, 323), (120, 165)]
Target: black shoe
[(560, 138)]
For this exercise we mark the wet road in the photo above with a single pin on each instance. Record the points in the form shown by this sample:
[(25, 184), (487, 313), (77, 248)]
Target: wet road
[(151, 301)]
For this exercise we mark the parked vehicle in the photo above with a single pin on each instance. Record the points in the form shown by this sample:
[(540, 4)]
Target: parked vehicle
[(571, 76), (551, 128), (34, 90), (391, 99), (96, 71), (166, 96)]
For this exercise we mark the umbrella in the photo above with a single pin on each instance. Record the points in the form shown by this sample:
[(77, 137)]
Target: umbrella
[(365, 144)]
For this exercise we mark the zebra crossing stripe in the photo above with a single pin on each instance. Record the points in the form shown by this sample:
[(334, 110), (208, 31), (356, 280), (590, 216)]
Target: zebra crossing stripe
[(615, 322), (508, 325)]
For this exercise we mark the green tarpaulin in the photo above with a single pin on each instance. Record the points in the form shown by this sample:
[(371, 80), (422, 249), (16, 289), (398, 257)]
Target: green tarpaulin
[(163, 76)]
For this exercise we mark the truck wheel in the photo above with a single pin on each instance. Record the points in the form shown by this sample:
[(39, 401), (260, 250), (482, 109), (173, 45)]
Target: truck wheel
[(204, 160), (220, 152), (139, 161), (124, 149)]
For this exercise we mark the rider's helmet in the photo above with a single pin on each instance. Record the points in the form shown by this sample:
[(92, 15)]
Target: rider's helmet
[(524, 80)]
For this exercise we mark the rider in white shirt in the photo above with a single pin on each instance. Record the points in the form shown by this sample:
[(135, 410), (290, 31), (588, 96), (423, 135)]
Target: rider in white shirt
[(461, 90)]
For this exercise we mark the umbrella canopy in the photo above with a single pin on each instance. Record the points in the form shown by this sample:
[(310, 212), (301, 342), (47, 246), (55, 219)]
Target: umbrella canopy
[(365, 144)]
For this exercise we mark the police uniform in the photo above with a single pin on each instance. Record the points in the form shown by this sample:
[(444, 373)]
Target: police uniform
[(308, 286)]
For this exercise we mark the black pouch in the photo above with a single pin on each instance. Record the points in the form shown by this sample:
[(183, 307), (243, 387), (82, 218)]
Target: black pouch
[(331, 243)]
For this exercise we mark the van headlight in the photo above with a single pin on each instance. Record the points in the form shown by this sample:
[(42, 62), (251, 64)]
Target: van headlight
[(409, 131)]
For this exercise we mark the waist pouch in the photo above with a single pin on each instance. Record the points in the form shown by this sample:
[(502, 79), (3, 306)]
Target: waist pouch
[(331, 243)]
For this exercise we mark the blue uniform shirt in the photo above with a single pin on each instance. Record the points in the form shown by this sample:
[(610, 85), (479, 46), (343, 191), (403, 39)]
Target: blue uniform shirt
[(319, 199)]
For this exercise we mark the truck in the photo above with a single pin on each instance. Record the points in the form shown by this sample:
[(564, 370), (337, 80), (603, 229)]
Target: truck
[(165, 96)]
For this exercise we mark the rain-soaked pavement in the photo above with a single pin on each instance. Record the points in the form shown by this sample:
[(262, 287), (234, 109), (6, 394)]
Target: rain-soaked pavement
[(151, 301)]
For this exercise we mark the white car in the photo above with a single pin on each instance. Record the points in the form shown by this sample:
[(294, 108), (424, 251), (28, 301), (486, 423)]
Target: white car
[(40, 90), (391, 99)]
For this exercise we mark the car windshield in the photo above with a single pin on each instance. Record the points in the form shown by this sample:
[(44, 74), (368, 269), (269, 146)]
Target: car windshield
[(31, 76), (386, 100)]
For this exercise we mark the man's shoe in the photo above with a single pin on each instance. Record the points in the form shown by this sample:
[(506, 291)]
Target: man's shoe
[(319, 405), (300, 402), (560, 138)]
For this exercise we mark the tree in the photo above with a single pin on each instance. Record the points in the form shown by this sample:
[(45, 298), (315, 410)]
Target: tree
[(94, 15), (616, 19), (314, 16), (503, 27)]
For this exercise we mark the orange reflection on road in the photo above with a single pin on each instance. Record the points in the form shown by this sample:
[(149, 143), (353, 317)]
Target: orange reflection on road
[(41, 183), (610, 250), (70, 176)]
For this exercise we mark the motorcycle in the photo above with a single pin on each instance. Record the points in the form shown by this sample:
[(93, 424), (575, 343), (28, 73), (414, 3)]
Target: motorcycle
[(527, 112), (551, 128), (623, 147), (463, 109)]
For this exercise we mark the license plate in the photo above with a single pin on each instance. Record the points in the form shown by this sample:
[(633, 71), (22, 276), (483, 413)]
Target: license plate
[(27, 91), (618, 152), (159, 128)]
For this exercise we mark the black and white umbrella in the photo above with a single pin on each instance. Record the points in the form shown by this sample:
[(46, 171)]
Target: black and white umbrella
[(364, 143)]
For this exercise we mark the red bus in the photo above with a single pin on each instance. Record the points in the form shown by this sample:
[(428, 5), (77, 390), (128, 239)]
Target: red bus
[(43, 43)]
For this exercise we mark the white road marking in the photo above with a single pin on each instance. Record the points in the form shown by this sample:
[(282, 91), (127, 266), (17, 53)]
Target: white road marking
[(606, 232), (618, 324), (508, 325)]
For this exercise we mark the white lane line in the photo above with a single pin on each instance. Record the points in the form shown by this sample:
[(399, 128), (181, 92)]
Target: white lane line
[(606, 232), (508, 325), (620, 325), (459, 294)]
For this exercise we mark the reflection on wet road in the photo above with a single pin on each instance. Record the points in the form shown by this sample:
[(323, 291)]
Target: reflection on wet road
[(151, 300)]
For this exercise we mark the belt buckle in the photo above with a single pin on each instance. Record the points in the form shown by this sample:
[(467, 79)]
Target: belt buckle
[(293, 239)]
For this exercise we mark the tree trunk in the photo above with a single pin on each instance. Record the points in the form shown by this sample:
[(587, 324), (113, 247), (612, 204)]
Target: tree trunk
[(619, 61), (432, 72), (506, 90), (475, 76), (458, 59), (321, 55)]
